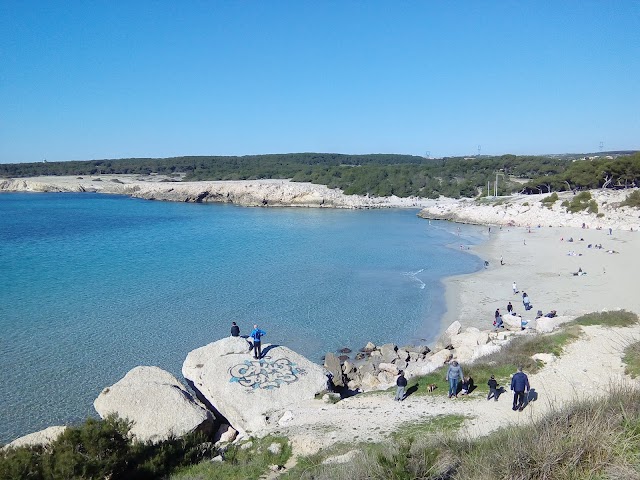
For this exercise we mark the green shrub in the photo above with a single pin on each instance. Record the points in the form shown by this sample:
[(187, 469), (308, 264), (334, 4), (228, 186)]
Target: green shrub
[(620, 318), (581, 202), (550, 200), (525, 204), (600, 215), (102, 449), (632, 200), (240, 463), (632, 359)]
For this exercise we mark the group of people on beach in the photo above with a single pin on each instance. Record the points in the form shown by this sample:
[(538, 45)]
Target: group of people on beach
[(255, 336), (519, 386)]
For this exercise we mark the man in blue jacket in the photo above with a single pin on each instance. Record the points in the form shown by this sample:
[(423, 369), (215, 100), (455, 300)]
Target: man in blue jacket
[(519, 385), (256, 334)]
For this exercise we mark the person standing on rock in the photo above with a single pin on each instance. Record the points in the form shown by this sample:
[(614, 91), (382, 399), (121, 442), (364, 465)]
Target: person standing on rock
[(235, 330), (454, 373), (401, 383), (519, 385), (256, 335)]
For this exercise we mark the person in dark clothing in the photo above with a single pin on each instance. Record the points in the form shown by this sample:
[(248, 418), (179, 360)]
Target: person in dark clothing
[(519, 385), (509, 308), (401, 383), (235, 330), (256, 335), (493, 388)]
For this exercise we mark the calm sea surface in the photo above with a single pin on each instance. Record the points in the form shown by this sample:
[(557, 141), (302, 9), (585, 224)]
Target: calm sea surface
[(93, 285)]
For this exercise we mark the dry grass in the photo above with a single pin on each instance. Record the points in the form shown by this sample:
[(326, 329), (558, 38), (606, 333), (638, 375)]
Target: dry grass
[(598, 439)]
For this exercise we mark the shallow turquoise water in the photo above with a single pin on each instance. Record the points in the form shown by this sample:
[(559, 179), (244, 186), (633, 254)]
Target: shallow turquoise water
[(93, 285)]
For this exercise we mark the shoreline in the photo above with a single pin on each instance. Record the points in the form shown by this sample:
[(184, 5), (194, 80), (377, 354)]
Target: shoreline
[(249, 193)]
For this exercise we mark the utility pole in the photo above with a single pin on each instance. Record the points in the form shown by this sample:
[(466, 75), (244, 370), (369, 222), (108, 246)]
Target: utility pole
[(601, 146), (479, 149)]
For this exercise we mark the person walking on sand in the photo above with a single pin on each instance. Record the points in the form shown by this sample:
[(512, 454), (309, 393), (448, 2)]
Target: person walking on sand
[(515, 288), (454, 373), (401, 383), (256, 335), (519, 385), (235, 330), (493, 388), (509, 308)]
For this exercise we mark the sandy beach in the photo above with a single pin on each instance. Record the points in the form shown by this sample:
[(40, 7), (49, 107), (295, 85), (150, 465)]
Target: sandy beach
[(541, 265)]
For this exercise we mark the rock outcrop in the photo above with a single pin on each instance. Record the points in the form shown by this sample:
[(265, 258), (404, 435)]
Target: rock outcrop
[(43, 437), (157, 404), (251, 393)]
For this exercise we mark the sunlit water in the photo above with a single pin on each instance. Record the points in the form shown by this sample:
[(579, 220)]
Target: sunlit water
[(93, 285)]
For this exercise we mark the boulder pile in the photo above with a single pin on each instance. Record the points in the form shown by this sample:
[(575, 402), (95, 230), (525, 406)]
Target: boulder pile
[(376, 367)]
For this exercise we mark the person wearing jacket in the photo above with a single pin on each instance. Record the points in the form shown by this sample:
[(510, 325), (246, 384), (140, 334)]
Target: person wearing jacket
[(519, 385), (235, 329), (401, 383), (454, 373), (256, 335)]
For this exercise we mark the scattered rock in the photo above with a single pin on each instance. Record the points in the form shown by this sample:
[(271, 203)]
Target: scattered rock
[(345, 458), (43, 437), (370, 347), (333, 366), (157, 404), (225, 434), (275, 448)]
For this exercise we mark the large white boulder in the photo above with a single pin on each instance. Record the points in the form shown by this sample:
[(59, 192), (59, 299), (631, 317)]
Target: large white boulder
[(43, 437), (158, 405), (250, 393)]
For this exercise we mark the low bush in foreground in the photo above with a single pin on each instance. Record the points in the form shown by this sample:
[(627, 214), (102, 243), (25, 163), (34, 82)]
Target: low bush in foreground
[(632, 360), (250, 461), (620, 318), (590, 440), (101, 449)]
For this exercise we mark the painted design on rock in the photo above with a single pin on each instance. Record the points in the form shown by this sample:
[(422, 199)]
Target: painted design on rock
[(265, 374)]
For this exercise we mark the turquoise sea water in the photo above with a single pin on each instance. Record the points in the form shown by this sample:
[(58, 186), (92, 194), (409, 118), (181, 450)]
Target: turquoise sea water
[(94, 285)]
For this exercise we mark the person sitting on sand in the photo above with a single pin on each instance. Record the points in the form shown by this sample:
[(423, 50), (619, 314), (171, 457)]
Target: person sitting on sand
[(467, 383), (551, 314), (526, 302)]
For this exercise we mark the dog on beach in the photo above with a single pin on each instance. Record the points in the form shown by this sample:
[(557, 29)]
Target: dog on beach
[(431, 387)]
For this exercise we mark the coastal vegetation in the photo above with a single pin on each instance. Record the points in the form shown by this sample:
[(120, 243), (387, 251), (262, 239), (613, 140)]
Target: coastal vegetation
[(632, 200), (376, 175), (580, 202), (585, 440), (591, 439)]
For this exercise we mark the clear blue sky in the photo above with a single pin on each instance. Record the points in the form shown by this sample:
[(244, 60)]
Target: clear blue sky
[(105, 79)]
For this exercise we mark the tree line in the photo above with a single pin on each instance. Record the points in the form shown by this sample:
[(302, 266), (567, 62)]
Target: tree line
[(376, 175)]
